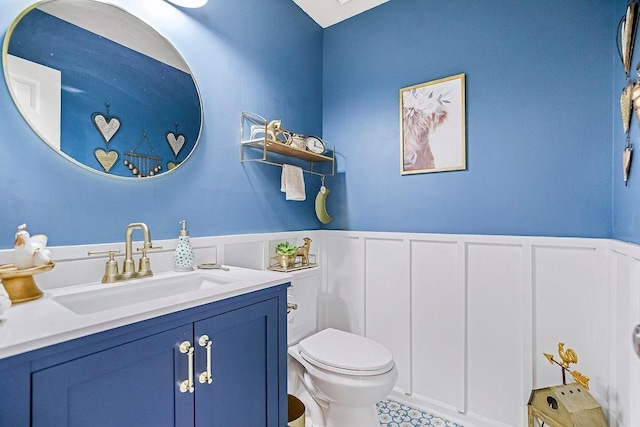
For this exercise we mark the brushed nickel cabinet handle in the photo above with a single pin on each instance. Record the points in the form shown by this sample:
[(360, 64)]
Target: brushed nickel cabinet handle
[(187, 385), (205, 377), (636, 340)]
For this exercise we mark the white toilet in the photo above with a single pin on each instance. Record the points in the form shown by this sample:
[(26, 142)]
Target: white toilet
[(339, 376)]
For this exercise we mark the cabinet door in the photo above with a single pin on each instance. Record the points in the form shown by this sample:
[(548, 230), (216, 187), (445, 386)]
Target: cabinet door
[(134, 384), (244, 354)]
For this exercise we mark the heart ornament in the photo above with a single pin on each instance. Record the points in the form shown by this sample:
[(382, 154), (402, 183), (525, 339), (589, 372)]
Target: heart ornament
[(175, 142), (106, 158), (626, 107), (107, 127), (626, 162), (628, 35)]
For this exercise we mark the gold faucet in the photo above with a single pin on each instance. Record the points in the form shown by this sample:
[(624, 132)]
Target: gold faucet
[(128, 267)]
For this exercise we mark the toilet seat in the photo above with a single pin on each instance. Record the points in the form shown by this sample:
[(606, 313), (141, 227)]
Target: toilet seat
[(346, 353)]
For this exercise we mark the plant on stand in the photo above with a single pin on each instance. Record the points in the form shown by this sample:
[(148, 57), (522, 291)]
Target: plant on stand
[(286, 254)]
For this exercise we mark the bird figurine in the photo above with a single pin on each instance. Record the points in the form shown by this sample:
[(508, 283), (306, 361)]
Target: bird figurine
[(30, 251), (568, 356)]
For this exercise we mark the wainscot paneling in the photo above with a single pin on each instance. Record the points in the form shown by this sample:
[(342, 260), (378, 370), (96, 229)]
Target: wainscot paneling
[(387, 301), (624, 367), (342, 296), (570, 306), (494, 331), (436, 291), (483, 309)]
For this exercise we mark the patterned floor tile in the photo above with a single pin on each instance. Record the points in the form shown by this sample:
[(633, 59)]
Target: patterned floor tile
[(395, 414)]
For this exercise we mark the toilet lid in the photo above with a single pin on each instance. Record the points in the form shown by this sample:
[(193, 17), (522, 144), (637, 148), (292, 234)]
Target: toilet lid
[(347, 353)]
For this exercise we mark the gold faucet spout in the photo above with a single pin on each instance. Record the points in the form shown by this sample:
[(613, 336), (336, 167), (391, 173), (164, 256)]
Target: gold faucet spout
[(128, 269)]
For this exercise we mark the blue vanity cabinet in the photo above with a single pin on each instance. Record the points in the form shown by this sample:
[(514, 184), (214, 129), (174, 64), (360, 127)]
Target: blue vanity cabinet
[(244, 362), (132, 376), (127, 385)]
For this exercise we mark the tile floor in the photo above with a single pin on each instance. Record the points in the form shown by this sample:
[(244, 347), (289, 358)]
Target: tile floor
[(395, 414)]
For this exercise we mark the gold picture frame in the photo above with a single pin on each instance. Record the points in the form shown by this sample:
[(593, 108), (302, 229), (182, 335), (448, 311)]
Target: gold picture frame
[(432, 126)]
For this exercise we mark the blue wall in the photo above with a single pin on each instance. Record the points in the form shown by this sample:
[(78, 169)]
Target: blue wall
[(539, 116), (240, 63), (543, 139)]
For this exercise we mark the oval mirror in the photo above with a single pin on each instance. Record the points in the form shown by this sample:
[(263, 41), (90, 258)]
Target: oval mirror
[(102, 88)]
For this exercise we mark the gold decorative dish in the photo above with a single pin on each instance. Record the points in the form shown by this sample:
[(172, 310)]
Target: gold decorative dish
[(19, 284)]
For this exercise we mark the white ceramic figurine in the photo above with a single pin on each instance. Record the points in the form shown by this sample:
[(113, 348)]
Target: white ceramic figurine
[(30, 251)]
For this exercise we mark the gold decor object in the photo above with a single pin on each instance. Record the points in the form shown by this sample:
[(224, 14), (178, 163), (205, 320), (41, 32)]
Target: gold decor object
[(626, 106), (566, 405), (303, 251), (106, 158), (627, 30), (286, 261), (568, 356), (291, 257), (20, 284), (275, 264)]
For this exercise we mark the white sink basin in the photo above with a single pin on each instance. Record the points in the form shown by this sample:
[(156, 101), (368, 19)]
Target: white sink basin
[(116, 295)]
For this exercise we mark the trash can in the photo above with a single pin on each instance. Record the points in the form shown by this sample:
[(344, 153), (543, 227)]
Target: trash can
[(295, 412)]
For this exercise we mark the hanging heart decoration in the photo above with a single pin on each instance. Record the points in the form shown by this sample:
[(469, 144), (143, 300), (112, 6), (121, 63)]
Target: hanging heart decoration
[(627, 28), (626, 162), (171, 165), (107, 127), (175, 142), (106, 158), (626, 106)]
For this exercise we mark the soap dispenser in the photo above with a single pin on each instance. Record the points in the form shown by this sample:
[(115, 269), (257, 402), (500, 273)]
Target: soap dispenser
[(183, 257)]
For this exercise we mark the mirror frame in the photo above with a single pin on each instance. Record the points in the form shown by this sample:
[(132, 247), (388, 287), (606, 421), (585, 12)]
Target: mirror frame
[(146, 27)]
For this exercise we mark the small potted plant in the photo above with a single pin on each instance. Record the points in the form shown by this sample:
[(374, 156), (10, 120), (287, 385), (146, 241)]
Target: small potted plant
[(286, 254)]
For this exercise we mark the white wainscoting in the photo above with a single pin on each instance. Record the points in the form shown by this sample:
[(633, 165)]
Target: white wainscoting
[(468, 317), (624, 278)]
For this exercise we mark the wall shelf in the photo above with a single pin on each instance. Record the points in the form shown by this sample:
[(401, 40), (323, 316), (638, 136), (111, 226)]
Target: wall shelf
[(268, 144)]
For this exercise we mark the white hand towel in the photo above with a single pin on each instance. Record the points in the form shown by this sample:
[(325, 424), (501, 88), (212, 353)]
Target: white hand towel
[(292, 183)]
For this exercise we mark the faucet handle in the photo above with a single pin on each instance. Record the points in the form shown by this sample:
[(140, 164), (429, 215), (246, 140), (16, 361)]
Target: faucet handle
[(111, 267), (110, 252), (145, 249), (144, 268)]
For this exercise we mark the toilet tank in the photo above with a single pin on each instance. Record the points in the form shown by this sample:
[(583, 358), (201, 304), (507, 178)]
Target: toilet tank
[(304, 291)]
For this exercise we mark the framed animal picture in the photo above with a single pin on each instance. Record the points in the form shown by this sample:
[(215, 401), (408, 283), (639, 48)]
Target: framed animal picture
[(432, 126)]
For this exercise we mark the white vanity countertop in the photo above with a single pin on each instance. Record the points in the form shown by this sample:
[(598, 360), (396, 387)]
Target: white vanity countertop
[(39, 323)]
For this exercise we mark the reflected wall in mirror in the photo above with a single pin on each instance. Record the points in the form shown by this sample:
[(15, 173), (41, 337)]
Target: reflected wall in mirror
[(102, 88)]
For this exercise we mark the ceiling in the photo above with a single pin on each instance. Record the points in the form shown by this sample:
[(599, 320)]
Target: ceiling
[(329, 12)]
